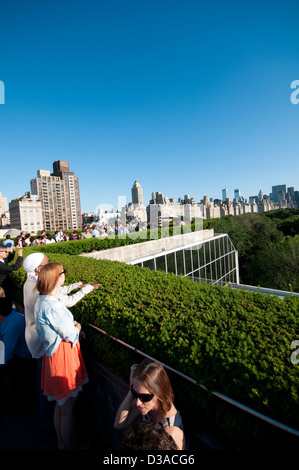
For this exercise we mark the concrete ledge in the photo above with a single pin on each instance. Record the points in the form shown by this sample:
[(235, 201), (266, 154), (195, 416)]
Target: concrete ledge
[(129, 253)]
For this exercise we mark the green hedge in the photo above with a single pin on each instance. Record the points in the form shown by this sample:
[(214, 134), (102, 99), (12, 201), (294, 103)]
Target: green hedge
[(235, 342)]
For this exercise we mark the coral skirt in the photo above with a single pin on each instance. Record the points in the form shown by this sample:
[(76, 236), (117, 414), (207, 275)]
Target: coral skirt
[(63, 373)]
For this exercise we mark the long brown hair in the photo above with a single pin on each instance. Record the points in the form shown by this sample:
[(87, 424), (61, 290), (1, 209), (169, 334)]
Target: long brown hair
[(152, 374), (48, 277)]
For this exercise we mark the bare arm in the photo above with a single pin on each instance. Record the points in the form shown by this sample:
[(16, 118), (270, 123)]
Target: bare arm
[(178, 436), (127, 410)]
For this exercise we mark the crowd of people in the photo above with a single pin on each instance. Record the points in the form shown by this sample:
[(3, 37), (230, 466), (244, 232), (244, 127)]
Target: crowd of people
[(48, 334), (89, 231)]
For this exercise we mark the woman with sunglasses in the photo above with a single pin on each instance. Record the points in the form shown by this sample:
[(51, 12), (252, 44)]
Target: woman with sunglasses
[(63, 369), (151, 396)]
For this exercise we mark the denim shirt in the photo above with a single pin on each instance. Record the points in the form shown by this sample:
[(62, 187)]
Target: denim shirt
[(54, 323)]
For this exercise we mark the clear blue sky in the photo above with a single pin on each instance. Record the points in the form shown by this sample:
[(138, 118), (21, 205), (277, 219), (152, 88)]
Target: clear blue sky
[(186, 96)]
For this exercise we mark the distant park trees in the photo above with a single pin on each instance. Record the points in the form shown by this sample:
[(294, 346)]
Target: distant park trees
[(268, 247)]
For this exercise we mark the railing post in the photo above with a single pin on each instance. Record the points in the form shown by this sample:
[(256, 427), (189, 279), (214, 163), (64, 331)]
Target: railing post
[(237, 266)]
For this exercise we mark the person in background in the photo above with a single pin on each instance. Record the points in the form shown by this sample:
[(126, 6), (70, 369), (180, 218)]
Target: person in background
[(18, 242), (63, 369), (12, 331), (95, 232), (8, 242), (26, 241), (49, 239), (151, 396), (6, 256), (43, 238), (22, 235), (74, 235), (86, 234), (57, 236), (60, 233), (143, 436), (33, 241)]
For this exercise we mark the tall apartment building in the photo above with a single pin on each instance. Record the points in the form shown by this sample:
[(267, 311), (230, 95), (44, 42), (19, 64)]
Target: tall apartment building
[(159, 198), (279, 192), (60, 197), (4, 213), (137, 193), (26, 214), (3, 204)]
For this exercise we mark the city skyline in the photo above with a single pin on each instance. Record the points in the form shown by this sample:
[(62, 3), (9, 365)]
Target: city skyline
[(137, 194), (185, 97)]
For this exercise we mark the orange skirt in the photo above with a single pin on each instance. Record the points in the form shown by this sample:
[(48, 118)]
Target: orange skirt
[(63, 373)]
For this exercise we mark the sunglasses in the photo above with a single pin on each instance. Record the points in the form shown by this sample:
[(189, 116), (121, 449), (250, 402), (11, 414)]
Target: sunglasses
[(144, 397)]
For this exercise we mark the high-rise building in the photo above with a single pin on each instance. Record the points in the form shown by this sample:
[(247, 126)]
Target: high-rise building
[(137, 193), (290, 194), (237, 194), (261, 195), (60, 197), (3, 205), (224, 195), (279, 192), (159, 198), (26, 214), (4, 213)]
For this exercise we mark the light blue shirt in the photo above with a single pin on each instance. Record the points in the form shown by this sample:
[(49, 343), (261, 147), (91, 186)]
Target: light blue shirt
[(54, 323)]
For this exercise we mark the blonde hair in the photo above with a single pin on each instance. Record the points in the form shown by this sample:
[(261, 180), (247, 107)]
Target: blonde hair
[(48, 277), (153, 375)]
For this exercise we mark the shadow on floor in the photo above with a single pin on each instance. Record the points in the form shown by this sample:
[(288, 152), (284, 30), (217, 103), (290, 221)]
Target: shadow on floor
[(20, 428)]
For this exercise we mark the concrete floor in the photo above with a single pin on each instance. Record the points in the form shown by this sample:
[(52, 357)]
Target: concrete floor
[(20, 428)]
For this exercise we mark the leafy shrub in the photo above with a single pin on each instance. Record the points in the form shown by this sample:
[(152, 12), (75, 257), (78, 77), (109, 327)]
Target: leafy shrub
[(235, 342)]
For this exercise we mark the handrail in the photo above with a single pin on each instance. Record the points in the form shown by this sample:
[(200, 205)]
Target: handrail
[(271, 421)]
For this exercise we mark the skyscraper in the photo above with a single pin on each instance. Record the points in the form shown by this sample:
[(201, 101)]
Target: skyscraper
[(237, 194), (261, 195), (137, 193), (224, 194), (60, 197), (279, 192)]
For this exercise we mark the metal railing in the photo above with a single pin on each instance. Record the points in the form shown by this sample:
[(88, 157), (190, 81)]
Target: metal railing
[(263, 290), (235, 403)]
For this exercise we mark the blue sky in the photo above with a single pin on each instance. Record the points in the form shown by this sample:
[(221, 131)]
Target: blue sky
[(187, 97)]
